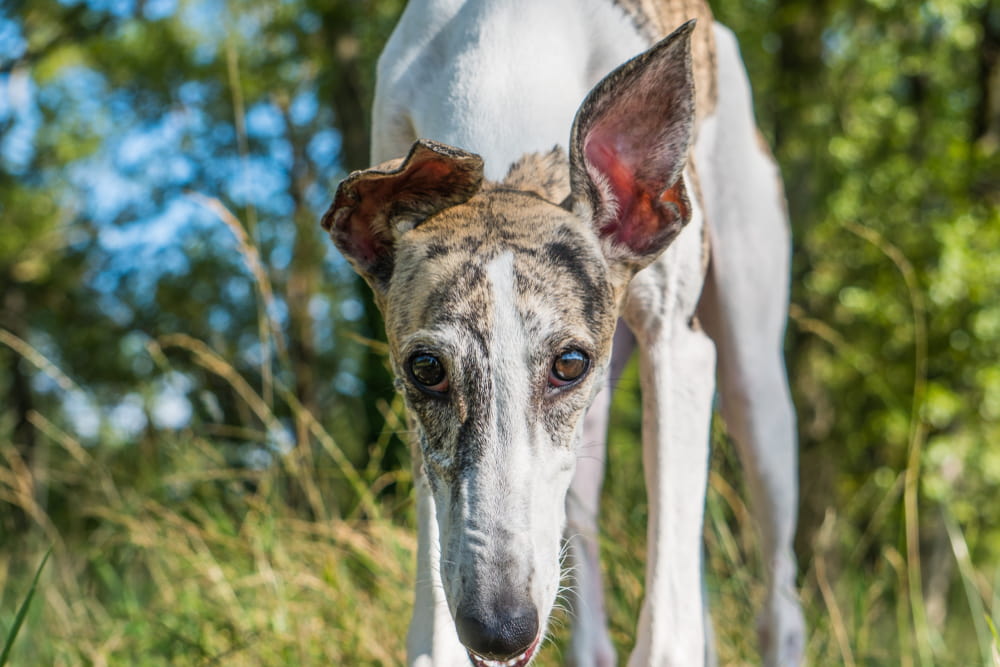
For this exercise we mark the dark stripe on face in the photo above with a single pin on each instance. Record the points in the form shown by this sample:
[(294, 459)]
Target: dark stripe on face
[(593, 295), (471, 244), (473, 433), (435, 250), (451, 295)]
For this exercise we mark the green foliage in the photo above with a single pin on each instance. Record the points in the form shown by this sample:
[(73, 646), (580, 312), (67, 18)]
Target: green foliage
[(180, 559), (162, 170), (22, 612)]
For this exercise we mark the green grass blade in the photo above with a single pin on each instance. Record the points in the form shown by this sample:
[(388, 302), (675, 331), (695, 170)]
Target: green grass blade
[(22, 611), (993, 646), (967, 574)]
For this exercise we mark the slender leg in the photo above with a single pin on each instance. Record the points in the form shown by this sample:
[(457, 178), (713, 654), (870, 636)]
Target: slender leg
[(432, 640), (591, 645), (677, 372), (757, 409), (677, 386), (744, 308)]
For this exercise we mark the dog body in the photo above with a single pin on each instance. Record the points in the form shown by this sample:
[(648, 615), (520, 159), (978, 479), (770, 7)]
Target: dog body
[(502, 299)]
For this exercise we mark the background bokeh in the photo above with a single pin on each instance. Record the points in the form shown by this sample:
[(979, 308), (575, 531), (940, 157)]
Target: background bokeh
[(195, 410)]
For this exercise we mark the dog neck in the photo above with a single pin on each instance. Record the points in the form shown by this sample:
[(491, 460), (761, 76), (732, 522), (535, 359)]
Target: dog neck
[(541, 59)]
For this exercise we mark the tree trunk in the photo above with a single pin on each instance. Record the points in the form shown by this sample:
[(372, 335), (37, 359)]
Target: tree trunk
[(987, 120)]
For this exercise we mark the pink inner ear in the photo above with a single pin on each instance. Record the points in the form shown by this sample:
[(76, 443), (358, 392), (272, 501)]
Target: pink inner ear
[(638, 224)]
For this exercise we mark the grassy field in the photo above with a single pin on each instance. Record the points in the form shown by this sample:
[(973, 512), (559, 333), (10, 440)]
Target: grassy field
[(165, 554), (177, 549)]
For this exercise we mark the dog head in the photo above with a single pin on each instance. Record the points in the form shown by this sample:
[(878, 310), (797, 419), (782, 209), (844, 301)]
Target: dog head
[(500, 302)]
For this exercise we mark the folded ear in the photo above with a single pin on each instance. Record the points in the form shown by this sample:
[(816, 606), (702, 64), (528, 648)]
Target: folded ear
[(628, 147), (374, 206)]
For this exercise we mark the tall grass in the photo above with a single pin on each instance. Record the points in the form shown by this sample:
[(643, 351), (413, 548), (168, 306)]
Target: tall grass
[(166, 553), (188, 561), (22, 611)]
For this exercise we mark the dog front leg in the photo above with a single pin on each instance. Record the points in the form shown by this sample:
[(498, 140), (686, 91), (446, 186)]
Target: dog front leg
[(677, 365), (432, 640)]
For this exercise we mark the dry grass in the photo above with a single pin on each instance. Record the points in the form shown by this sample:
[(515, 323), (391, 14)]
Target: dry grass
[(164, 553), (203, 570), (200, 563)]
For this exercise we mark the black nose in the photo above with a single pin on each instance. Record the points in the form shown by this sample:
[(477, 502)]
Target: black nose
[(501, 635)]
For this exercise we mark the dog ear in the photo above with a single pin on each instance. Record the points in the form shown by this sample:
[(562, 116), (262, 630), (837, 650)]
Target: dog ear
[(374, 206), (628, 148)]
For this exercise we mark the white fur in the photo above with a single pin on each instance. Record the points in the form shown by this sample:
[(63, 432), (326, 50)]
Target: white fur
[(431, 640), (516, 489), (544, 57), (526, 471)]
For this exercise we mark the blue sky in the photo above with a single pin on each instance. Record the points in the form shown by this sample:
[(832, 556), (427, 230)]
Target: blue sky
[(134, 189)]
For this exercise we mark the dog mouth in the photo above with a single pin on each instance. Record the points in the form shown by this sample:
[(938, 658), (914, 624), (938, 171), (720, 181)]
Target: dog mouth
[(516, 661)]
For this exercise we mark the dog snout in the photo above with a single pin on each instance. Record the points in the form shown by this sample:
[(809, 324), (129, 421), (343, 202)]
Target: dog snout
[(498, 634)]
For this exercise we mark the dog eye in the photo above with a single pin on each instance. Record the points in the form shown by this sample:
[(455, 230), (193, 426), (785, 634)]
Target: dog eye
[(568, 367), (428, 372)]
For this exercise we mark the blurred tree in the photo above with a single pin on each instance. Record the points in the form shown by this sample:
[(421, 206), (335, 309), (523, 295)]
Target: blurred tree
[(883, 115), (129, 128), (125, 128)]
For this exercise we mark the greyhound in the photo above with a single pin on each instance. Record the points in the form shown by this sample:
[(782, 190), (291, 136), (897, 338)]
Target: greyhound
[(515, 276)]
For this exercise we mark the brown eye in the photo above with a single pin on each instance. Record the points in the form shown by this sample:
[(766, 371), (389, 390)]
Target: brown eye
[(428, 372), (568, 367)]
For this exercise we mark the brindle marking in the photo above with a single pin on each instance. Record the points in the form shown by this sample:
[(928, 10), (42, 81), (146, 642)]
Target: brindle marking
[(655, 19), (439, 281)]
